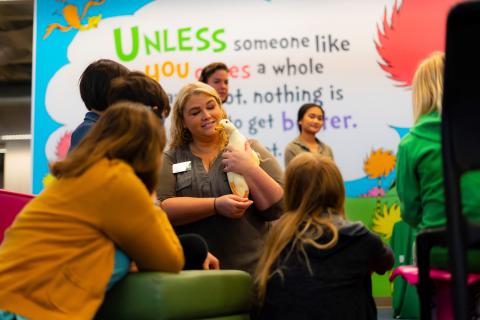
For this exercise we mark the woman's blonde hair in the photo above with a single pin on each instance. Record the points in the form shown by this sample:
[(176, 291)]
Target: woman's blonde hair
[(179, 135), (314, 194), (127, 131), (427, 85)]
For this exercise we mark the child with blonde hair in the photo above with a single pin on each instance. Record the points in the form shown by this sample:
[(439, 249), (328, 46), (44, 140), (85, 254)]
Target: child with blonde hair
[(316, 264), (419, 158)]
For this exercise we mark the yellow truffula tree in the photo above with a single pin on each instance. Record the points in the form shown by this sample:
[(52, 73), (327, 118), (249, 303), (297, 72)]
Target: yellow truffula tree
[(383, 223), (378, 165)]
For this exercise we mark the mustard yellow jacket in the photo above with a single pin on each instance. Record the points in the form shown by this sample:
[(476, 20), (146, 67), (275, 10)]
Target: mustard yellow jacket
[(58, 256)]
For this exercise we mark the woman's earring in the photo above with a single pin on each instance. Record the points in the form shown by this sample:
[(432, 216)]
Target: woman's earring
[(186, 135)]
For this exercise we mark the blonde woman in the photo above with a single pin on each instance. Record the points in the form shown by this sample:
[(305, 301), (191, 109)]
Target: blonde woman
[(316, 264), (195, 192), (419, 159)]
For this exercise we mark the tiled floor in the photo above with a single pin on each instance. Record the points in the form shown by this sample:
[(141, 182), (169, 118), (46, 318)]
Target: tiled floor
[(385, 313)]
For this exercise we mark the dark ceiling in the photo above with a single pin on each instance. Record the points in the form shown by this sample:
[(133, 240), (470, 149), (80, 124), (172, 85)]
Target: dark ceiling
[(16, 22), (16, 27)]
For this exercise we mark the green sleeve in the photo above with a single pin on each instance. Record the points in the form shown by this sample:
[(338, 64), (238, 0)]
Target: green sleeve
[(408, 187)]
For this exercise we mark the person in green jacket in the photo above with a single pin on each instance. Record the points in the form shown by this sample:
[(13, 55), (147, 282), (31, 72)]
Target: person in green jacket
[(419, 159)]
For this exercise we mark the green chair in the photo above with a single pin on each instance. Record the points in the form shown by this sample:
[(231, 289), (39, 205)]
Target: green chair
[(214, 294), (405, 303)]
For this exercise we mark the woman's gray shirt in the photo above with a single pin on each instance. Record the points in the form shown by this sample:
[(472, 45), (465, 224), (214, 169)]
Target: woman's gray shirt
[(235, 242)]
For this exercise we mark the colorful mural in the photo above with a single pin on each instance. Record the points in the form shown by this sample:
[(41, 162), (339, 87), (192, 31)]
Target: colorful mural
[(281, 54), (73, 19)]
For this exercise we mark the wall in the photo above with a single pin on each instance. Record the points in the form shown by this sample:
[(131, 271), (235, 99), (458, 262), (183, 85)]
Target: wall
[(18, 166)]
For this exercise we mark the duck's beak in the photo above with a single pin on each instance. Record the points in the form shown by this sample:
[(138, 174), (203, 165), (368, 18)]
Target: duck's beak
[(219, 127)]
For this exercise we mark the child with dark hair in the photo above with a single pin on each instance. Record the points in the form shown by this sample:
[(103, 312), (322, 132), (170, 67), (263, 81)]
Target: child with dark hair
[(138, 87), (105, 82), (94, 86), (135, 86)]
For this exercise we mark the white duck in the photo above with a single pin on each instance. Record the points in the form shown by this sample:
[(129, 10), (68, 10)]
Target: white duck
[(236, 141)]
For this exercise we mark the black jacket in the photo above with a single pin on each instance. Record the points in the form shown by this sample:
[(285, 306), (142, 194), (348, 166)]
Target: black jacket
[(339, 283)]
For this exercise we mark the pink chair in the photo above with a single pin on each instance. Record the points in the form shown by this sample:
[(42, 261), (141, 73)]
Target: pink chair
[(11, 203), (441, 281)]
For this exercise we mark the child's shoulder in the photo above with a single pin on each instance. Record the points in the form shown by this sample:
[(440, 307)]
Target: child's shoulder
[(356, 229), (351, 228)]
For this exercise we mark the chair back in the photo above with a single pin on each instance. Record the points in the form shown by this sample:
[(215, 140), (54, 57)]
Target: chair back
[(460, 136), (11, 203)]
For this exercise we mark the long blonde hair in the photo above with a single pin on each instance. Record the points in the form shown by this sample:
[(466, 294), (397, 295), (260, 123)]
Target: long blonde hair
[(179, 135), (127, 131), (427, 85), (314, 194)]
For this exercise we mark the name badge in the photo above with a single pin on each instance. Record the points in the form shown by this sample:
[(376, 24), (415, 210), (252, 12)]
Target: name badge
[(182, 166)]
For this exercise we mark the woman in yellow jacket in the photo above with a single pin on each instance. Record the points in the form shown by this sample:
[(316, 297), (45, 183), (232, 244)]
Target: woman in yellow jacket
[(58, 257)]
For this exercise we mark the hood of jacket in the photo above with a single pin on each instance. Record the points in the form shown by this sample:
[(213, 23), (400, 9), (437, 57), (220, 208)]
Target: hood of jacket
[(428, 127)]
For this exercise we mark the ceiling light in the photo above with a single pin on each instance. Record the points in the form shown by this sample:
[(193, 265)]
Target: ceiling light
[(11, 137)]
